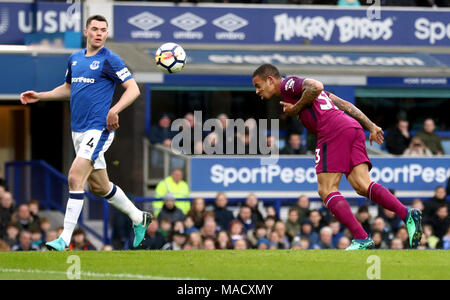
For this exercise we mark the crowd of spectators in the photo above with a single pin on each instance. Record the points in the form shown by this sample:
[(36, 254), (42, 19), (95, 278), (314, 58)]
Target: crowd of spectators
[(255, 226), (398, 139), (426, 142), (251, 225), (226, 138), (23, 229)]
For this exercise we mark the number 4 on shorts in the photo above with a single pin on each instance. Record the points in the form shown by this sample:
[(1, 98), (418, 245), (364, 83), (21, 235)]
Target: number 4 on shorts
[(90, 143)]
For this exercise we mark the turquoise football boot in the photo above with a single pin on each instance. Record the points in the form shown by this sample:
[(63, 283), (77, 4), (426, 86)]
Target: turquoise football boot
[(139, 230), (360, 244), (414, 226), (57, 245)]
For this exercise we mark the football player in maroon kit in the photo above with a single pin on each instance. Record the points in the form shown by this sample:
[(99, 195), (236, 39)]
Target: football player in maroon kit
[(341, 149)]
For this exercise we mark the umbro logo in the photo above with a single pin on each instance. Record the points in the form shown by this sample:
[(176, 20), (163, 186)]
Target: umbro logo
[(230, 22), (188, 21), (145, 21)]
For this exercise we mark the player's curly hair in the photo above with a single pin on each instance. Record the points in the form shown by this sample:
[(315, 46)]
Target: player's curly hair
[(267, 70)]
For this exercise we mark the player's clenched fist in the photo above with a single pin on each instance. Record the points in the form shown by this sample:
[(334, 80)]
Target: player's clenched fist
[(29, 97), (289, 109), (112, 120)]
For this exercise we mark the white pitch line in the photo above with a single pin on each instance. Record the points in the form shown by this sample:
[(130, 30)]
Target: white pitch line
[(102, 275)]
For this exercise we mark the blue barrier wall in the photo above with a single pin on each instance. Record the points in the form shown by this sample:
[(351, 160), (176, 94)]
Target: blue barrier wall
[(23, 72), (288, 173)]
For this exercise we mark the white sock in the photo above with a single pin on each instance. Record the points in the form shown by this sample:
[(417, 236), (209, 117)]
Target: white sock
[(117, 198), (73, 210)]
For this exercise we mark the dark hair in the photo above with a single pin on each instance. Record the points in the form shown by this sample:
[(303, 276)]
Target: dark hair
[(97, 18), (441, 205), (165, 219), (439, 187), (314, 210), (292, 209), (266, 70), (270, 218), (246, 206), (259, 226), (79, 231), (334, 220), (377, 232), (363, 208)]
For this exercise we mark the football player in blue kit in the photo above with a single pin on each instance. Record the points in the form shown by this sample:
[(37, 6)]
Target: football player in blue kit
[(91, 77)]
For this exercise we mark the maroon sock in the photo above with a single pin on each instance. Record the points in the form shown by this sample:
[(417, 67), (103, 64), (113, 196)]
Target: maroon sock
[(340, 208), (381, 195)]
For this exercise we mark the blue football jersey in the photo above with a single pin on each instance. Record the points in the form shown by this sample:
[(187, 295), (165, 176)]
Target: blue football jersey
[(93, 80)]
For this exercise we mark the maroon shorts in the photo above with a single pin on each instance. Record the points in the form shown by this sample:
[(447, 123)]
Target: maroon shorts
[(342, 152)]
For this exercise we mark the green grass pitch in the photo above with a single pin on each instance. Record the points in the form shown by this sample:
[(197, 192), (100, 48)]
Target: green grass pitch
[(227, 264)]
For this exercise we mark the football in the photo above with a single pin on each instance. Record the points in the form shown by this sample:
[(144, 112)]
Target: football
[(170, 57)]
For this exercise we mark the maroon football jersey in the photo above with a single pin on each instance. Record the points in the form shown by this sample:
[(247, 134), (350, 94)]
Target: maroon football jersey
[(322, 118)]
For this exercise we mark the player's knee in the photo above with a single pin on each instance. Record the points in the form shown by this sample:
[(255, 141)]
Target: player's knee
[(361, 190), (323, 193), (75, 182), (98, 190)]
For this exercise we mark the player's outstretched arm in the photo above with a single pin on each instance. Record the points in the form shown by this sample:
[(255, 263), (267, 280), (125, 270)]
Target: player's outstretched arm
[(311, 89), (61, 92), (29, 97), (376, 133), (131, 93)]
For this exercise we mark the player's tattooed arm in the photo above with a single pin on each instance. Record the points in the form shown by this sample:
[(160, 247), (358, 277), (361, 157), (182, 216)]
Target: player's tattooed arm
[(311, 89), (352, 111), (376, 133)]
